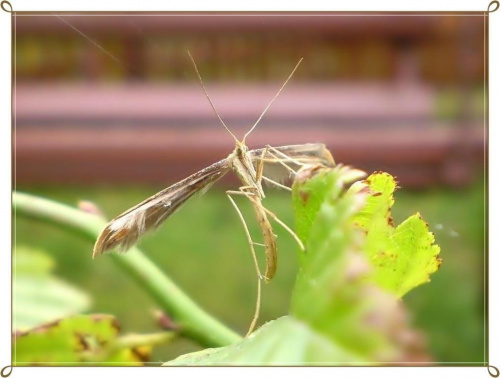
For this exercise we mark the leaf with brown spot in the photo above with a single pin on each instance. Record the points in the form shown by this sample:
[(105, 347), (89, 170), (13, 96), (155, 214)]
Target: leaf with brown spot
[(411, 254), (82, 339)]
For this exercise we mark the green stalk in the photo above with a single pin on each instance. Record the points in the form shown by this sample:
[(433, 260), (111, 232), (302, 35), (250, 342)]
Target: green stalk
[(193, 321), (133, 340)]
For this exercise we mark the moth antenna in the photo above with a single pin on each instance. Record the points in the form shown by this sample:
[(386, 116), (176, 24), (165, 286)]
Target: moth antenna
[(208, 97), (275, 97)]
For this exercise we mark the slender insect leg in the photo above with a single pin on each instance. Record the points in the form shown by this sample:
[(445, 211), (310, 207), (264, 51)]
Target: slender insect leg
[(249, 195), (256, 263), (285, 156), (279, 160), (265, 226), (260, 166), (247, 190), (271, 214), (276, 183), (282, 224), (260, 170)]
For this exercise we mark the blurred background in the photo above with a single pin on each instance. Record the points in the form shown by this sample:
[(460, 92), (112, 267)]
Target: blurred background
[(108, 109)]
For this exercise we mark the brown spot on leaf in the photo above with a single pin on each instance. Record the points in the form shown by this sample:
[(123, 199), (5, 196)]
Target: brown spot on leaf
[(105, 317), (304, 196), (44, 327), (439, 261), (308, 173), (142, 353), (18, 333), (51, 324), (81, 342), (316, 169), (364, 190), (115, 325)]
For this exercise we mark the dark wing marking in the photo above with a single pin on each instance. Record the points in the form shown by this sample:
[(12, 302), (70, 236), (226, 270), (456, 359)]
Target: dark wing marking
[(304, 154), (125, 230)]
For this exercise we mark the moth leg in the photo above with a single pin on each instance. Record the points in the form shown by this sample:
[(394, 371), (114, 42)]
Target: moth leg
[(277, 159), (260, 166), (260, 169), (273, 152), (282, 224), (245, 227), (285, 156), (259, 244), (247, 190), (275, 183), (266, 229), (254, 256)]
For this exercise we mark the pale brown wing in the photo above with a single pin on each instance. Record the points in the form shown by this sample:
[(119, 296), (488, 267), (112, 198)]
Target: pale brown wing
[(125, 230), (294, 156)]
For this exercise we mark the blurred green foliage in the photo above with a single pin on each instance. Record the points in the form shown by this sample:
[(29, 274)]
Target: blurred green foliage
[(84, 340), (203, 248), (39, 296)]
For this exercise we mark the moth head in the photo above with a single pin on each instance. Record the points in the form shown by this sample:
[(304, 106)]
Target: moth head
[(241, 149)]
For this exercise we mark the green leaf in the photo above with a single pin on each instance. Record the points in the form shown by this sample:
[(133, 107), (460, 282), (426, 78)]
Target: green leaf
[(309, 195), (39, 297), (285, 341), (83, 339), (32, 261), (403, 257), (338, 315), (333, 293)]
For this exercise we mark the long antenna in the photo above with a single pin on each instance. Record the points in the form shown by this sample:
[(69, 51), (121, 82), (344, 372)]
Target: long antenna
[(268, 106), (208, 97)]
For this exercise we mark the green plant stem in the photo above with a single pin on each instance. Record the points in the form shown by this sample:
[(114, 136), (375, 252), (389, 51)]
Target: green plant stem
[(133, 340), (192, 320)]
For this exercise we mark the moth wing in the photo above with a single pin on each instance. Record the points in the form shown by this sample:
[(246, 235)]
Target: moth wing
[(127, 228), (294, 156)]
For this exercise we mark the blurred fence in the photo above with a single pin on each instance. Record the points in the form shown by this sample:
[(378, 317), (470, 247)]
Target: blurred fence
[(104, 98)]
